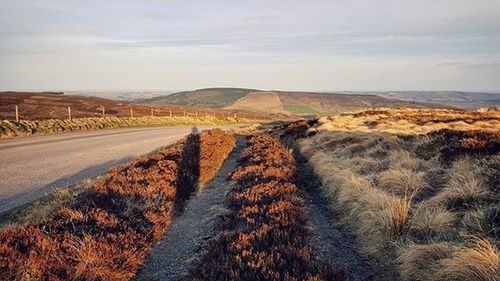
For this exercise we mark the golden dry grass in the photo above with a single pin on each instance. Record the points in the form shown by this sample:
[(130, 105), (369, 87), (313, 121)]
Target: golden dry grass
[(409, 121), (413, 196)]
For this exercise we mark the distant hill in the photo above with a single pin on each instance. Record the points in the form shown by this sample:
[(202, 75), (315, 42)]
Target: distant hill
[(296, 103), (467, 100), (54, 105), (210, 97)]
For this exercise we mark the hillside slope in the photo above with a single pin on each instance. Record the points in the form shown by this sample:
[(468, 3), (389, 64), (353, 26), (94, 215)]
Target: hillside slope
[(210, 97), (467, 100), (260, 101), (296, 103), (48, 105)]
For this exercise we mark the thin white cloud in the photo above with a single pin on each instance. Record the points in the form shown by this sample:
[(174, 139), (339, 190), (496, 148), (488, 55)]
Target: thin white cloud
[(373, 41)]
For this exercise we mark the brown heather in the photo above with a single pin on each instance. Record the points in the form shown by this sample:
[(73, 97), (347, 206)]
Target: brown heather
[(107, 232), (265, 237)]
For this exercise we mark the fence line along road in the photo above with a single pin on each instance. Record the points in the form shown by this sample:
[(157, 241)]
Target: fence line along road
[(101, 112)]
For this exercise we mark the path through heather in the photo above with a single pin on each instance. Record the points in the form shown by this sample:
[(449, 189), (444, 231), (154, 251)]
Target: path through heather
[(174, 256)]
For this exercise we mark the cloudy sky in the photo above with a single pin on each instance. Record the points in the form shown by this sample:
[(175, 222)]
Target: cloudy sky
[(280, 44)]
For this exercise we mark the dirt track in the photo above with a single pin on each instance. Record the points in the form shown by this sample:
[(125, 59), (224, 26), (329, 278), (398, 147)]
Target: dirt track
[(172, 258)]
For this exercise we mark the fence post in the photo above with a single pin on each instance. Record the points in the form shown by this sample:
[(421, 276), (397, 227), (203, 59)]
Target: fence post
[(131, 112), (17, 114), (184, 113), (196, 114), (235, 116), (69, 113), (152, 113), (170, 112)]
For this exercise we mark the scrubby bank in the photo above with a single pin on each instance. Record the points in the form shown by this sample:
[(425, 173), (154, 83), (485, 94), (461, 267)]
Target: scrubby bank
[(264, 235), (106, 232), (51, 126)]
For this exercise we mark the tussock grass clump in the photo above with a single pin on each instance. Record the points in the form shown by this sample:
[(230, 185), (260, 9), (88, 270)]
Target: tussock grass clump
[(414, 186), (428, 221), (409, 121), (106, 231), (464, 188), (265, 236), (484, 220), (402, 182), (478, 260)]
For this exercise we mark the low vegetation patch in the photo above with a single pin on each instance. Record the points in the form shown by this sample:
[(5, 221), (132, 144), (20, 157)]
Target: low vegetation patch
[(51, 126), (410, 121), (265, 234), (426, 204), (107, 230)]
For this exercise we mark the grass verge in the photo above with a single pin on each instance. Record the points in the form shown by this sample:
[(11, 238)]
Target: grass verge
[(424, 205), (10, 129)]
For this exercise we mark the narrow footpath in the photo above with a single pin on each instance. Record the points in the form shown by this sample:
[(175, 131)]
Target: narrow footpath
[(173, 257), (333, 245)]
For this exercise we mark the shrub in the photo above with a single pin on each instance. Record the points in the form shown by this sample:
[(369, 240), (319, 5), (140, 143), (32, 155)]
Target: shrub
[(457, 143), (265, 236), (106, 233)]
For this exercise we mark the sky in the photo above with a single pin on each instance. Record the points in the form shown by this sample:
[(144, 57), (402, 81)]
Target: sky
[(313, 45)]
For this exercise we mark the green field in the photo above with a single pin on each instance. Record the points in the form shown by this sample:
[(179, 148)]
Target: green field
[(299, 109)]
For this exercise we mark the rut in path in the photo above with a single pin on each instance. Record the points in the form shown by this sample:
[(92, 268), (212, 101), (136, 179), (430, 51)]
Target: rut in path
[(333, 246), (173, 257)]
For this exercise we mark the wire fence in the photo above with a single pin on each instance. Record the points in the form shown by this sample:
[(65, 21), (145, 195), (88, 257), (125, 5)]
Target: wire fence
[(33, 112)]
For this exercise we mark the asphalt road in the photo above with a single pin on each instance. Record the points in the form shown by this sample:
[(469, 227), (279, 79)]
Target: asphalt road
[(32, 167)]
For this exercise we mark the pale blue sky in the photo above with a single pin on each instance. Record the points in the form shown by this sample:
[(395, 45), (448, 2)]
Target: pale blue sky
[(300, 45)]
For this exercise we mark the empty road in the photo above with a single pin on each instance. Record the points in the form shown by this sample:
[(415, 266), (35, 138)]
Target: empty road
[(32, 167)]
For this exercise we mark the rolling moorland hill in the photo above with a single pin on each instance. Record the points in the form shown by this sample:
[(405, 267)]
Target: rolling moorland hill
[(54, 105), (296, 103)]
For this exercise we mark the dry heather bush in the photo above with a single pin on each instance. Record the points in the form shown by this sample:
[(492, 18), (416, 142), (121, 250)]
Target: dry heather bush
[(265, 236), (106, 232), (296, 129), (455, 143), (211, 154)]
